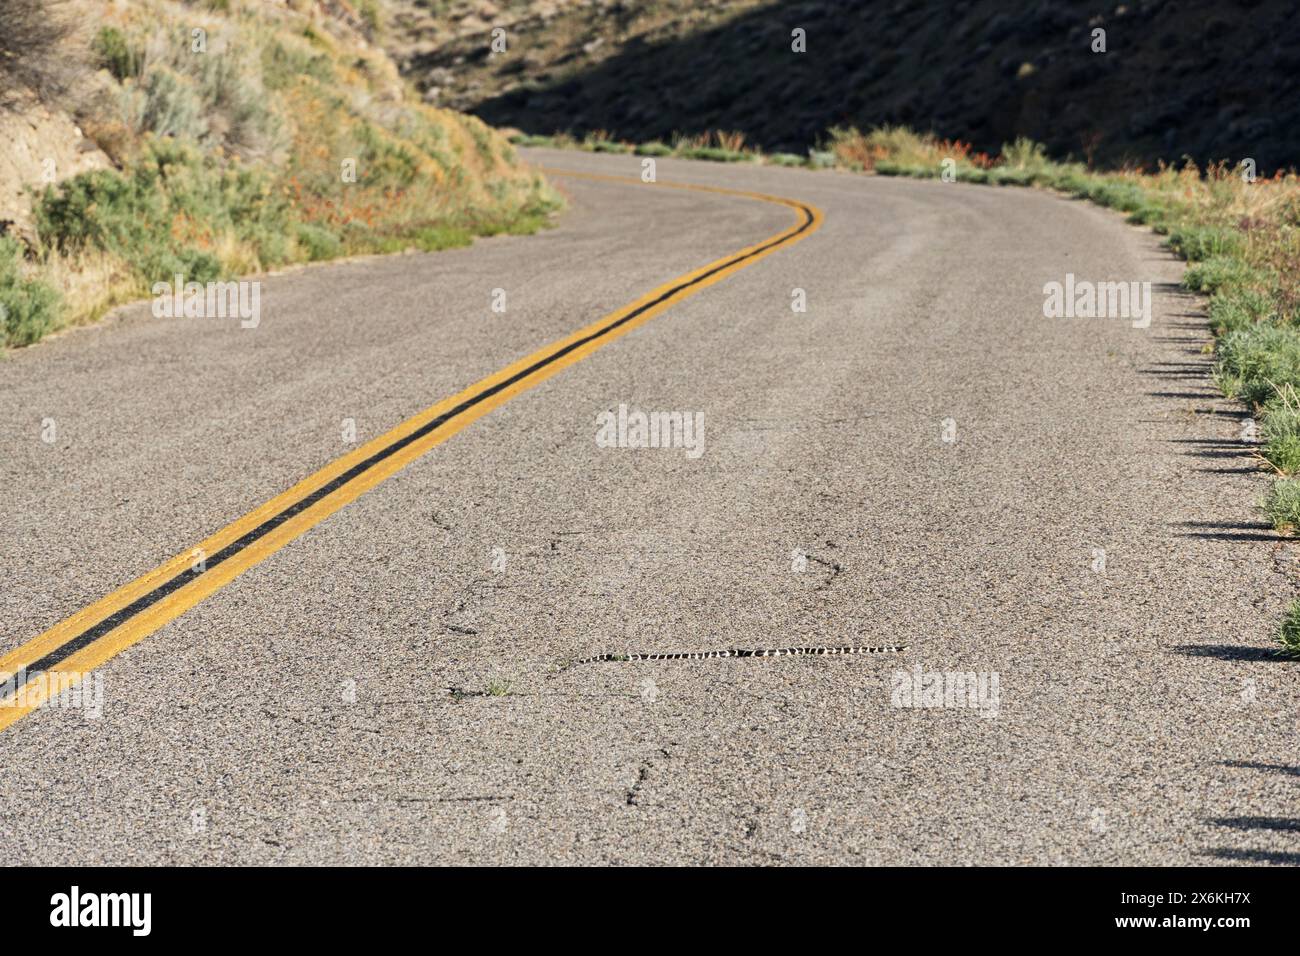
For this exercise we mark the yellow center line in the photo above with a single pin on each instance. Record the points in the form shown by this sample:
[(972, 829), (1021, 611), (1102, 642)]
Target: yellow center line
[(138, 624)]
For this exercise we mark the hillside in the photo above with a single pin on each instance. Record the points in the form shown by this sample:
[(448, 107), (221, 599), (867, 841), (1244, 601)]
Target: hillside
[(149, 138), (1203, 78)]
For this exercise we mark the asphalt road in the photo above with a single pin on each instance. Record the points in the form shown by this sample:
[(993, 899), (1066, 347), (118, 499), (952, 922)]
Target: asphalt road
[(952, 463)]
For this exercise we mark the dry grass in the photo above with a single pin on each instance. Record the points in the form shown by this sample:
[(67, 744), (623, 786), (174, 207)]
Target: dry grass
[(733, 141), (90, 284), (898, 144)]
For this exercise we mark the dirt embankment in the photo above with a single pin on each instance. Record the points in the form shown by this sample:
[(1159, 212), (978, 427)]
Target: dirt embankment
[(41, 146)]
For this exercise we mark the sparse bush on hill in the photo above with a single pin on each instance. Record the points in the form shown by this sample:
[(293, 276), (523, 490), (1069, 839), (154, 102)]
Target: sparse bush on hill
[(178, 210), (116, 54)]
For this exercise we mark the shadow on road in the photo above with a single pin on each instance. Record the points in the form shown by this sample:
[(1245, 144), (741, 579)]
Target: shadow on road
[(1288, 769), (1231, 652), (1254, 856), (1256, 824)]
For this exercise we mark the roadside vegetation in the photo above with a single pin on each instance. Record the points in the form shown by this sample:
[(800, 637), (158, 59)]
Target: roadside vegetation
[(719, 147), (28, 307), (1289, 631), (244, 137), (1240, 236)]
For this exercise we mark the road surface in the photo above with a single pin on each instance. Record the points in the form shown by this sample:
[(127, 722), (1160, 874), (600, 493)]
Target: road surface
[(1060, 507)]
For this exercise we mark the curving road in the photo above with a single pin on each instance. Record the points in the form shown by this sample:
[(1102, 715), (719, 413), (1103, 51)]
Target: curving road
[(1059, 507)]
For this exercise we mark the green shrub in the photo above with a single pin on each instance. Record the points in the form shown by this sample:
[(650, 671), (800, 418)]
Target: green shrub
[(1283, 453), (385, 162), (432, 238), (213, 98), (1151, 213), (165, 216), (371, 15), (1198, 243), (28, 308), (1024, 154), (117, 54), (1288, 634), (1282, 504), (1280, 429), (318, 242), (230, 91), (715, 154), (532, 139), (283, 66), (1222, 272), (1230, 311), (1010, 176), (1255, 361), (167, 104), (654, 148), (1073, 182), (886, 167), (1126, 197)]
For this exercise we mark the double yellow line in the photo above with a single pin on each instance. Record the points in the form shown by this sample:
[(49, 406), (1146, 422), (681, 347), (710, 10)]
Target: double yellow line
[(99, 632)]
